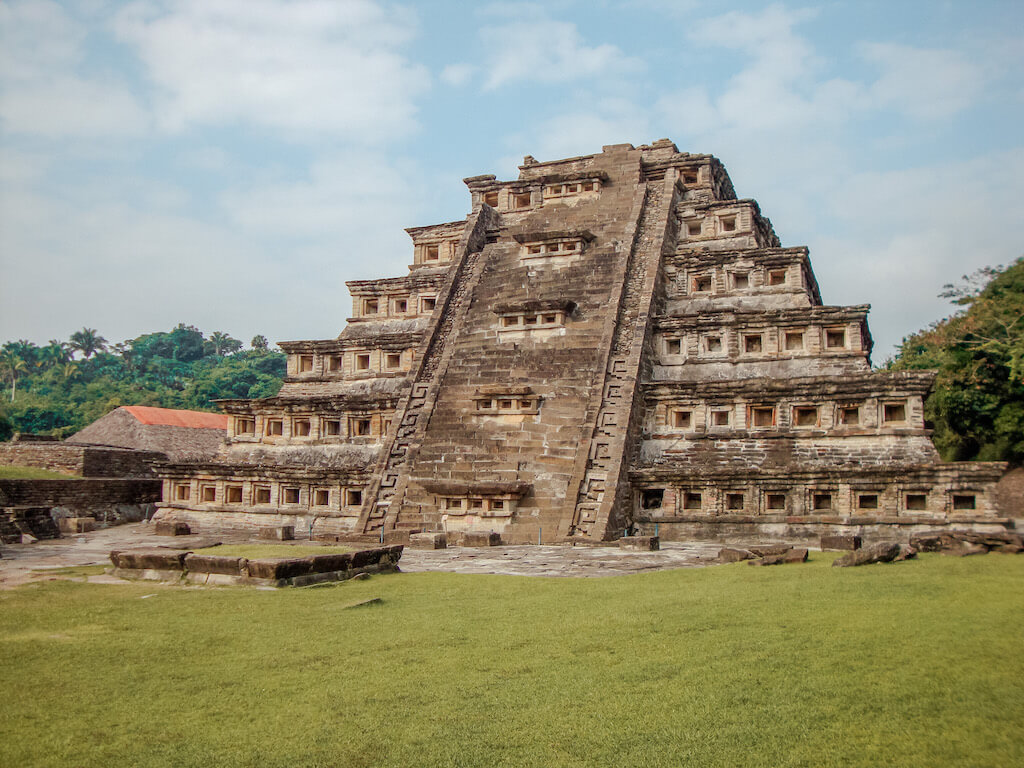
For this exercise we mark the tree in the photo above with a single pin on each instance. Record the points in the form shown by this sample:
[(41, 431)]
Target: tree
[(54, 354), (174, 369), (994, 321), (977, 404), (88, 342), (13, 365), (222, 344), (259, 343)]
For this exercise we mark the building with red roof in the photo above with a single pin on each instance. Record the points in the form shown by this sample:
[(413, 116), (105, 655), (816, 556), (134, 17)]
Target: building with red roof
[(177, 433)]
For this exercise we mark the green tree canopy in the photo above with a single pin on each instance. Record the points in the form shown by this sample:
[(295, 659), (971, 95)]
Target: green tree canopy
[(46, 391), (977, 405), (88, 342)]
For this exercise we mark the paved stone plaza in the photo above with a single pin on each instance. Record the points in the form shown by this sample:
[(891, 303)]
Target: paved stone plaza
[(23, 563)]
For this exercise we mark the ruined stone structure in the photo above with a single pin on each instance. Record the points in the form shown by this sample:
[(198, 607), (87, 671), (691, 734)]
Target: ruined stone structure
[(610, 342), (180, 435)]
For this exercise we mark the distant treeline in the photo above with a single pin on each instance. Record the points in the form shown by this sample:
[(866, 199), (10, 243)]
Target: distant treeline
[(61, 387)]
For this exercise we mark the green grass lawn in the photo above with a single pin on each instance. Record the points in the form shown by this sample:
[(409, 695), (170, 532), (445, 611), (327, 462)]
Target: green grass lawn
[(12, 472), (908, 664), (258, 551)]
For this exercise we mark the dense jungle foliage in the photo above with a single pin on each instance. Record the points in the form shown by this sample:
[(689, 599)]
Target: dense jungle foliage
[(59, 388), (977, 405)]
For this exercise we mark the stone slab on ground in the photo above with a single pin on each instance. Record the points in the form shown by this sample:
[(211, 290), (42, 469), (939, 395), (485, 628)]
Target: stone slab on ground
[(76, 524), (428, 540), (794, 555), (172, 528), (734, 555), (24, 563), (479, 539), (881, 552), (640, 543), (559, 561), (277, 533)]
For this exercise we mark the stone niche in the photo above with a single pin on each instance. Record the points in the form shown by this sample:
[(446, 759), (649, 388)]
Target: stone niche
[(533, 320), (511, 404), (476, 506), (552, 249)]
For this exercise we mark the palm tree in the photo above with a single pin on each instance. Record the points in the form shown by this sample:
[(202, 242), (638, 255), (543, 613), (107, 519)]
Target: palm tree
[(88, 342), (13, 365), (55, 353), (259, 342), (70, 371), (222, 343)]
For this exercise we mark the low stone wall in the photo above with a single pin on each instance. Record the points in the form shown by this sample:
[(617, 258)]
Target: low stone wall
[(80, 460), (727, 529), (108, 501), (248, 523), (166, 565), (78, 494)]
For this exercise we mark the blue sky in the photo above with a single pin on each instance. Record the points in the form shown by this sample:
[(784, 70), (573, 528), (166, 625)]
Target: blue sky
[(231, 163)]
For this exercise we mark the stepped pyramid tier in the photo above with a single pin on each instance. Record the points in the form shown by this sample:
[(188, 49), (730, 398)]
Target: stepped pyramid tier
[(609, 343)]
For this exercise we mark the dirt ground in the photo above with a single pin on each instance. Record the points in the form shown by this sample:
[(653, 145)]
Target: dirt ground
[(41, 560)]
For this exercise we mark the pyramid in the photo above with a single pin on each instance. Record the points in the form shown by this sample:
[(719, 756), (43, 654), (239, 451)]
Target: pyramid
[(609, 344)]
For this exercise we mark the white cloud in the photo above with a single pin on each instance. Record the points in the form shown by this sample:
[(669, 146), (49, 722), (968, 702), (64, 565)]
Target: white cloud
[(777, 88), (204, 158), (309, 68), (781, 87), (546, 51), (346, 196), (70, 106), (457, 74), (266, 257), (42, 91), (927, 84)]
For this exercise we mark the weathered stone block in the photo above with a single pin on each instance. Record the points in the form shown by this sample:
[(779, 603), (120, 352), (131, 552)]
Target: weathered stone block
[(793, 555), (76, 524), (232, 566), (640, 543), (730, 555), (907, 552), (768, 550), (365, 557), (280, 569), (882, 552), (160, 560), (480, 539), (432, 540), (277, 533), (840, 543), (331, 562), (965, 548), (172, 528), (397, 537)]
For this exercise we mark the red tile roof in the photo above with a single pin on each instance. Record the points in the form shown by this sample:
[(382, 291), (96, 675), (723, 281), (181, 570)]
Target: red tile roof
[(171, 417)]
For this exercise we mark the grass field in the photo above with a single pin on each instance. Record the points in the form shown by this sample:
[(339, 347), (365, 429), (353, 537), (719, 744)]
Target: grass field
[(12, 472), (909, 664)]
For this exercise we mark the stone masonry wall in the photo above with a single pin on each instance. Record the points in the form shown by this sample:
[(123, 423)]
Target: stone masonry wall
[(79, 494), (80, 460)]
